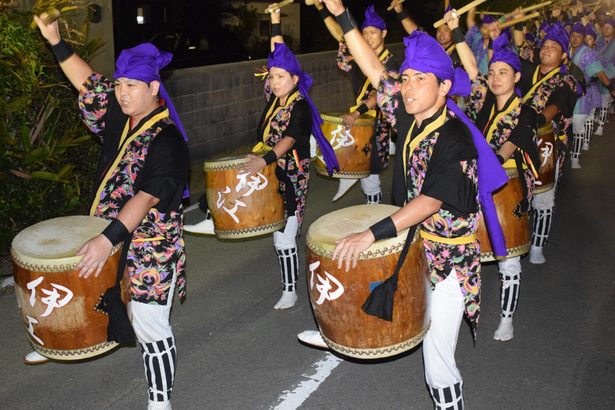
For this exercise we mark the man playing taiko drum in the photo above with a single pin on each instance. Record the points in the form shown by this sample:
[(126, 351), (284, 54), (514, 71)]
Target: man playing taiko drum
[(436, 181), (143, 172)]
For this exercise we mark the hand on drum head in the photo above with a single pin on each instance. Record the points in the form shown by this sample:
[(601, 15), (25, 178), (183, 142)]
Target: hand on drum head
[(255, 163), (349, 119), (95, 253), (349, 248)]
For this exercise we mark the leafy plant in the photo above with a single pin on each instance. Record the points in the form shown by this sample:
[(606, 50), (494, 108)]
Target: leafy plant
[(46, 154)]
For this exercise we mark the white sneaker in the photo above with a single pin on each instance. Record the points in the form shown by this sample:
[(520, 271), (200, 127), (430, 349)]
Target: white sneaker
[(536, 256), (599, 130), (159, 405), (312, 338), (287, 300), (574, 164), (344, 185), (585, 146), (33, 358), (205, 227), (504, 331)]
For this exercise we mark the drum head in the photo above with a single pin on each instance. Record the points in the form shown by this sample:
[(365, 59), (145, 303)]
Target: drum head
[(224, 162), (54, 242), (327, 229), (364, 120)]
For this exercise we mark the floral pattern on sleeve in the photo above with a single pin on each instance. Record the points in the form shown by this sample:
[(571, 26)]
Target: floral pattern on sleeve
[(344, 57), (93, 102), (388, 96), (476, 100)]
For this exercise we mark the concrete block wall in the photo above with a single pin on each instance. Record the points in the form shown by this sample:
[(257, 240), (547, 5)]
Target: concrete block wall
[(220, 105)]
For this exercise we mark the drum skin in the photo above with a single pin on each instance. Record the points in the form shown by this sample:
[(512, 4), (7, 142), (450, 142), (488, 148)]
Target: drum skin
[(337, 296), (242, 205), (353, 153), (547, 148), (515, 224), (58, 307)]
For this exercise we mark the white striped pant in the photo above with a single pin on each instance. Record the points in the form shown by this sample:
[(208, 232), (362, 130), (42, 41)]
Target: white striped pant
[(580, 131), (510, 276), (155, 335), (371, 189), (285, 244)]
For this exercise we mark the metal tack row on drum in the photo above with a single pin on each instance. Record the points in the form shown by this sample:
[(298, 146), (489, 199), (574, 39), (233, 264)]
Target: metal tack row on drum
[(58, 308)]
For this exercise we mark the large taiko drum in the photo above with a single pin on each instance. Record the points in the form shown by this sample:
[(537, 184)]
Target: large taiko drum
[(514, 222), (242, 204), (58, 307), (547, 148), (337, 296), (352, 147)]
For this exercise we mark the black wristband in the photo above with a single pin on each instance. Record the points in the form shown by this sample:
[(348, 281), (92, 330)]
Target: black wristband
[(270, 157), (362, 109), (458, 36), (384, 229), (500, 158), (116, 232), (276, 29), (324, 13), (346, 21), (401, 15), (62, 51)]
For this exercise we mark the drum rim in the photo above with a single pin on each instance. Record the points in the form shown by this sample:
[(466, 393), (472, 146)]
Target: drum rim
[(378, 352), (250, 232), (64, 264), (322, 170), (377, 249), (224, 164), (546, 129), (74, 354), (510, 253), (334, 118)]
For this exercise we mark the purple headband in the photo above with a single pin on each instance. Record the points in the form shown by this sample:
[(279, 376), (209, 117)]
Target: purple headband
[(530, 37), (578, 28), (557, 33), (144, 63), (502, 53), (424, 54), (589, 31), (610, 22), (372, 19), (282, 57)]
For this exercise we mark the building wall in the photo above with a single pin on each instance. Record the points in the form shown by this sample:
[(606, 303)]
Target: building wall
[(104, 60), (221, 105)]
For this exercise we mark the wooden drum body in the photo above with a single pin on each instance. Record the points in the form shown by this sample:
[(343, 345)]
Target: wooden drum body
[(547, 148), (58, 307), (337, 296), (515, 224), (352, 147), (243, 205)]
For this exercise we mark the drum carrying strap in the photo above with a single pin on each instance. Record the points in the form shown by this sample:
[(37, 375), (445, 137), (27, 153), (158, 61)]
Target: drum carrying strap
[(379, 303)]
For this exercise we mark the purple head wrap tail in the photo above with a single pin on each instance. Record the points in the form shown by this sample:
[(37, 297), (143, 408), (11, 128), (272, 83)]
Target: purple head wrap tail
[(372, 19), (487, 19), (282, 57), (144, 63)]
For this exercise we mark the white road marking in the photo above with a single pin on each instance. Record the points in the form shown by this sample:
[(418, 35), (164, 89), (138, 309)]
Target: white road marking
[(290, 400)]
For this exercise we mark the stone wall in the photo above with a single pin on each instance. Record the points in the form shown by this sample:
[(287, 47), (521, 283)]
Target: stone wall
[(220, 105)]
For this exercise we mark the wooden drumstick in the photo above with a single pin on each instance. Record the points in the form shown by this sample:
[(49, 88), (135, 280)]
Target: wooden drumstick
[(462, 10), (52, 15), (520, 20), (527, 9), (492, 13), (310, 2), (391, 7), (279, 6)]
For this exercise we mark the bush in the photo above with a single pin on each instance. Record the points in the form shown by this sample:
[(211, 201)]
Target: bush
[(47, 156)]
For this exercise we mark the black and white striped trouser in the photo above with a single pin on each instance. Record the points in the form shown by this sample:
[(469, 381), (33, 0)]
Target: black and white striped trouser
[(589, 129), (510, 276), (159, 360), (447, 398), (289, 267), (541, 226), (602, 114)]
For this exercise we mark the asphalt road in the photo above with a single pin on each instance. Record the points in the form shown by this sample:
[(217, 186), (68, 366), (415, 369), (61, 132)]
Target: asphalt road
[(237, 352)]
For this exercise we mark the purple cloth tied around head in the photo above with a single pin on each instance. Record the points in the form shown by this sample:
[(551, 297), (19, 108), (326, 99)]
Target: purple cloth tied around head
[(610, 22), (502, 52), (589, 31), (372, 19), (578, 28), (530, 37), (487, 19), (422, 54), (144, 63), (557, 33), (282, 57)]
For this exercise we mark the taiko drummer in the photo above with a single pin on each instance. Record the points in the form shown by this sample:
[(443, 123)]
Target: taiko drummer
[(141, 133), (436, 180)]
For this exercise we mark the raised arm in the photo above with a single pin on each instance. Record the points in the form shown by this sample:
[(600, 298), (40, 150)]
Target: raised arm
[(276, 26), (463, 49), (73, 66), (363, 54), (334, 29), (403, 17)]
